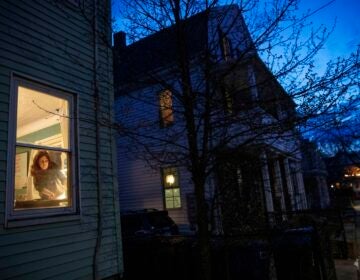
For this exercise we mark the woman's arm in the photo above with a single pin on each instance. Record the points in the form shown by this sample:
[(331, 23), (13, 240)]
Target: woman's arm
[(47, 194)]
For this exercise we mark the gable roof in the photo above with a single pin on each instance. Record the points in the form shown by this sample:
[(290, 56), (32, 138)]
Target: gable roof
[(159, 49)]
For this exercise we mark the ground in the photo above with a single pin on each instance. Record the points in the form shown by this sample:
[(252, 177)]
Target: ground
[(346, 270)]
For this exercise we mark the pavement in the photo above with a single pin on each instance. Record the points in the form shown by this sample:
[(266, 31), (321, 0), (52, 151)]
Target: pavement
[(346, 270)]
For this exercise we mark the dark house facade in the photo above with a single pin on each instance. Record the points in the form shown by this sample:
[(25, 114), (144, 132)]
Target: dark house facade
[(315, 176)]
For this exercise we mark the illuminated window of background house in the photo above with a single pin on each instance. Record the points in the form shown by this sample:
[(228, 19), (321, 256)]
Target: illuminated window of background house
[(42, 165), (166, 108), (171, 188)]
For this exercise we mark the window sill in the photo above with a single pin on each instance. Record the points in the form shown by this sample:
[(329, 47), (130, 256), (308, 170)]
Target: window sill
[(40, 221), (174, 209)]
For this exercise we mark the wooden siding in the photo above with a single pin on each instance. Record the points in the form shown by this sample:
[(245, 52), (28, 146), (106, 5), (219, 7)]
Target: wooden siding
[(140, 186), (51, 42)]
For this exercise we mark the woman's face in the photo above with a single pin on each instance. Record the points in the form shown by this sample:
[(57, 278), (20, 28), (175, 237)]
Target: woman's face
[(43, 162)]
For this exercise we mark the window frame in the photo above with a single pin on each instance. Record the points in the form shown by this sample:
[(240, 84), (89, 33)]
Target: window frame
[(164, 188), (225, 45), (11, 214), (226, 48)]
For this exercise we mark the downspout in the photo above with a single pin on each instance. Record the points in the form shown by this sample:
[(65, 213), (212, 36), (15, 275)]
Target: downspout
[(114, 166), (97, 135)]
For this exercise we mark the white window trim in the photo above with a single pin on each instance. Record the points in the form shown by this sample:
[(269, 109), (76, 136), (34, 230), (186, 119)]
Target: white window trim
[(165, 188), (44, 215)]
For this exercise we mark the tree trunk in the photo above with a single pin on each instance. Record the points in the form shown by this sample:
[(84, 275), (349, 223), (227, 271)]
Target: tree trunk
[(204, 244)]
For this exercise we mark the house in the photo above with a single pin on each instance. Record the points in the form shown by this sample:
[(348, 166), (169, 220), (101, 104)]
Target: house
[(344, 184), (344, 178), (59, 213), (247, 182), (315, 176)]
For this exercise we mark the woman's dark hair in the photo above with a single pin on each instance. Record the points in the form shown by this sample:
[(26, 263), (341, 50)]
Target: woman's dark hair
[(35, 166)]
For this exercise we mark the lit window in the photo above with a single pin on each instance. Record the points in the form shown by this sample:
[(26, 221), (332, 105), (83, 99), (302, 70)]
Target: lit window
[(166, 108), (171, 188), (42, 164)]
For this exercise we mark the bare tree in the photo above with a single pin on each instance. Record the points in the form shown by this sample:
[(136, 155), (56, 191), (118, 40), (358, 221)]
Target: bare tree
[(217, 102)]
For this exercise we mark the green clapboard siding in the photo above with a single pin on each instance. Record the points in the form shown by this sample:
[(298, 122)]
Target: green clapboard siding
[(51, 42)]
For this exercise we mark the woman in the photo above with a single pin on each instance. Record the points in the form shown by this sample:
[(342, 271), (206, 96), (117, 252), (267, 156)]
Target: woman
[(48, 179)]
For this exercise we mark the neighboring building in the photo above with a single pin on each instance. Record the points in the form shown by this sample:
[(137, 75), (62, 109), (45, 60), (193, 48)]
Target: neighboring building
[(261, 179), (52, 94), (344, 178), (315, 176), (344, 185)]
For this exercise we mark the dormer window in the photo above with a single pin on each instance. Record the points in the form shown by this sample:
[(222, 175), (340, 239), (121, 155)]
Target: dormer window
[(225, 45), (226, 48)]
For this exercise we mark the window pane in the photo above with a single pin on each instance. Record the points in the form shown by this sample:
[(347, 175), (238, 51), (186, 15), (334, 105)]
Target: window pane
[(42, 119), (41, 179), (169, 203), (169, 193), (166, 108), (177, 202), (176, 192)]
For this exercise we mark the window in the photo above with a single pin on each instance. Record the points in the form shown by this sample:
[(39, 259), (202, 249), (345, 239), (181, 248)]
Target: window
[(237, 99), (42, 151), (225, 45), (171, 188), (166, 108), (228, 101), (243, 99)]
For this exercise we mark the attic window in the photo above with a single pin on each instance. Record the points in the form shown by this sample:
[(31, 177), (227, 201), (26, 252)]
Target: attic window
[(166, 108), (225, 46), (228, 101)]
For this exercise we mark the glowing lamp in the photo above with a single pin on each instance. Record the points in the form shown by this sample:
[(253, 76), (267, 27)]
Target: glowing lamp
[(170, 179)]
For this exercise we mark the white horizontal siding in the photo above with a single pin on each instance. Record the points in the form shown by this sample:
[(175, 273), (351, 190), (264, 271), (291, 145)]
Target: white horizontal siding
[(139, 185)]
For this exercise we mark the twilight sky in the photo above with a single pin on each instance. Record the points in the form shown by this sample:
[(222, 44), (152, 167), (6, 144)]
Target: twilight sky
[(346, 13)]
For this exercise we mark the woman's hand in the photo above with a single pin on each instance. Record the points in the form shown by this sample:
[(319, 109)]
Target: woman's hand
[(48, 194)]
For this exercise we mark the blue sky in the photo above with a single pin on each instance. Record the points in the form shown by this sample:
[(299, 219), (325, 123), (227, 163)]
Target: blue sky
[(346, 13), (346, 35), (344, 40)]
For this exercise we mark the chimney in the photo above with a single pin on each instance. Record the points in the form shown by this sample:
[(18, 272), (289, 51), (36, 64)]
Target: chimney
[(119, 40)]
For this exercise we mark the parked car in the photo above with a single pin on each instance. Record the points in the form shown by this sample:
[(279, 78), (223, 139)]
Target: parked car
[(147, 222)]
